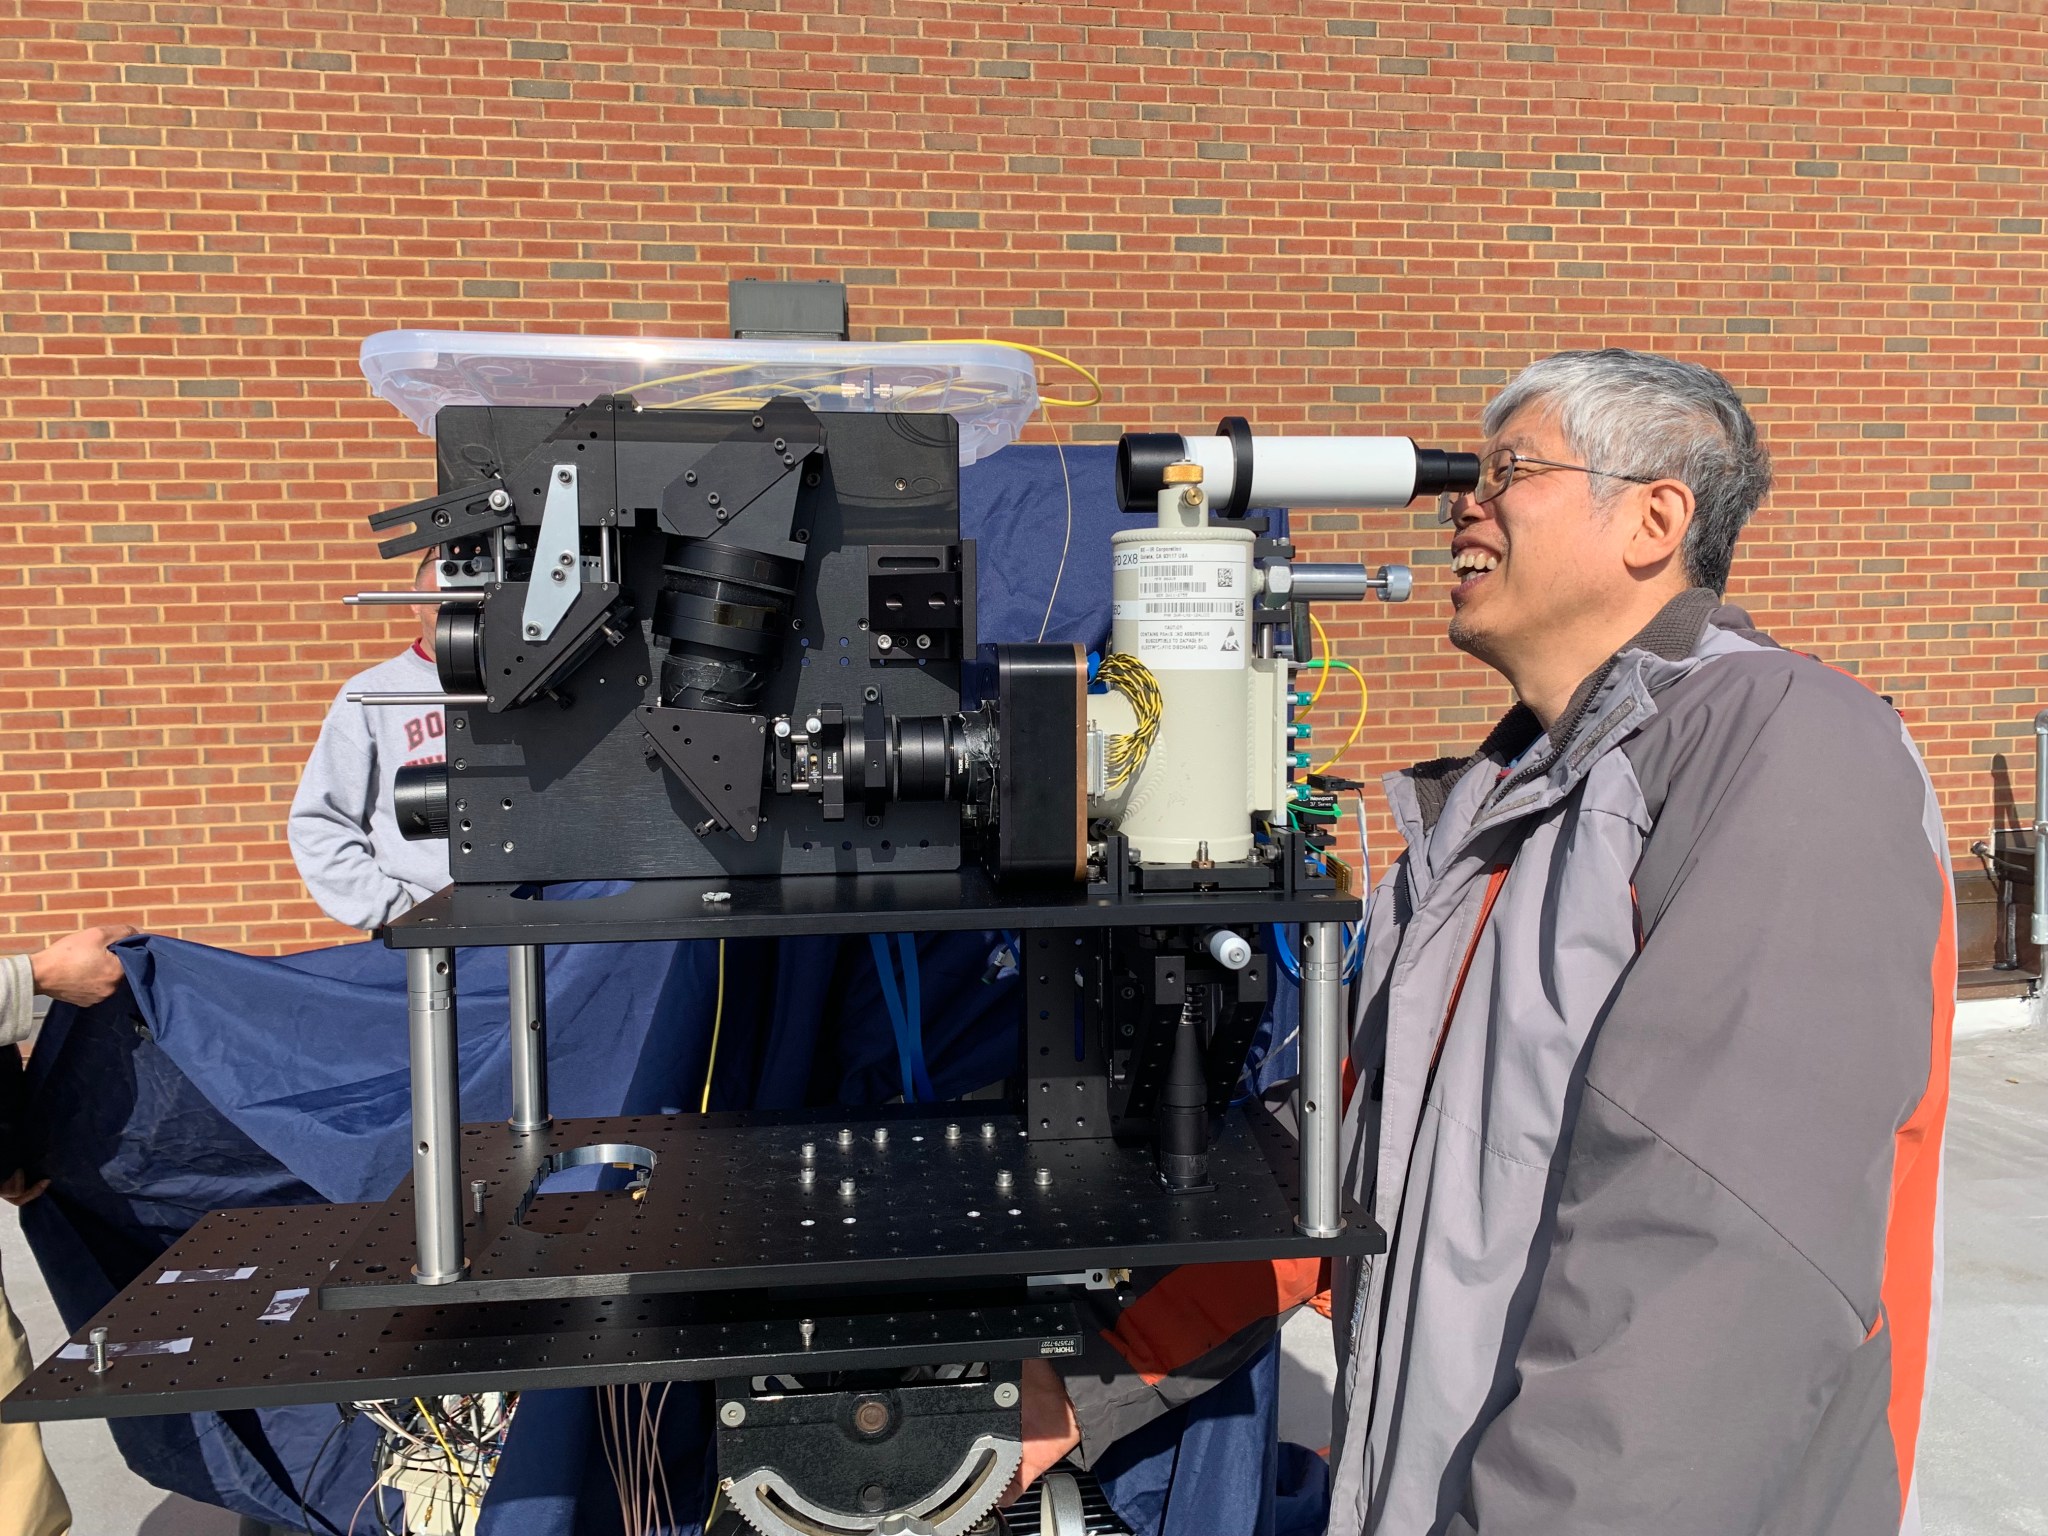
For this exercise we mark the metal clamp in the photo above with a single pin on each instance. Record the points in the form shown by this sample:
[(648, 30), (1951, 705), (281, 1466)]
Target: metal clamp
[(557, 578)]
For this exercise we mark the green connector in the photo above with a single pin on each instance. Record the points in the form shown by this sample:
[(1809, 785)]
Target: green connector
[(1299, 759)]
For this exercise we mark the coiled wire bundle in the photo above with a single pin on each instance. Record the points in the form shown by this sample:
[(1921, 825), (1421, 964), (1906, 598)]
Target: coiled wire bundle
[(1134, 680)]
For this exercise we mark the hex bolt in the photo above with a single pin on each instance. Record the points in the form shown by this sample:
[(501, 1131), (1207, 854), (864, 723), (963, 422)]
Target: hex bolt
[(846, 1189), (732, 1415), (500, 500), (1042, 1178), (476, 1194), (99, 1350), (1006, 1394)]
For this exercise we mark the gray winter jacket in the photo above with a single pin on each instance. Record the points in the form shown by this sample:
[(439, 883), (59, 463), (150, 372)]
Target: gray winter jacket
[(1652, 1074)]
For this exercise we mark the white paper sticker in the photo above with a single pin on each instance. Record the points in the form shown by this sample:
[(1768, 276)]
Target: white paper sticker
[(203, 1276), (284, 1305), (1192, 605), (115, 1350)]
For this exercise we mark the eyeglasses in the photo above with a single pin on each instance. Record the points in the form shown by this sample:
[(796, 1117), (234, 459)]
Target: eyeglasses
[(1502, 467)]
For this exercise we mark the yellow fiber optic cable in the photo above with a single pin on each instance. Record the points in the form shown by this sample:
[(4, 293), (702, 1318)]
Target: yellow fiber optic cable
[(717, 1019)]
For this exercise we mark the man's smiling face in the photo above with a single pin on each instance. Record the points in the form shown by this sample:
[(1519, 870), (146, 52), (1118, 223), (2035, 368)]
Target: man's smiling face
[(1536, 560)]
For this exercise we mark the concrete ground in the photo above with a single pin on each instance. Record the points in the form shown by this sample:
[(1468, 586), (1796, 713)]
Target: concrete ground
[(1984, 1460)]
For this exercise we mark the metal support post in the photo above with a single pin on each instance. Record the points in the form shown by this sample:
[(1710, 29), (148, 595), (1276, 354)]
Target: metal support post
[(1322, 1094), (2040, 923), (436, 1114), (529, 1024)]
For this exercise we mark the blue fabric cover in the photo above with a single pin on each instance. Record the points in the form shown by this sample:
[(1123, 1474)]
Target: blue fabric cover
[(216, 1079)]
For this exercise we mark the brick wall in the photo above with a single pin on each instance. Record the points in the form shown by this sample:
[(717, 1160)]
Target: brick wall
[(1325, 216)]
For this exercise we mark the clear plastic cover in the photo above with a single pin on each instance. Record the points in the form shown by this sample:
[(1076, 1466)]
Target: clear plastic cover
[(991, 390)]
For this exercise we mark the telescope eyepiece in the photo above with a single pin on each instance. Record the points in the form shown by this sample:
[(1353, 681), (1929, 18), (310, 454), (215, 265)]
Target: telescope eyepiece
[(1438, 471)]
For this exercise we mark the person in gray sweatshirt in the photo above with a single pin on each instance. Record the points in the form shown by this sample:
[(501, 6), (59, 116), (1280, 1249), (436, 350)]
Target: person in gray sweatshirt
[(343, 830)]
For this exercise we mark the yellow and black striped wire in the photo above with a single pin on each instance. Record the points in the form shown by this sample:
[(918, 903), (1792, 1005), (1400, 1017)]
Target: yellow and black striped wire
[(1134, 680)]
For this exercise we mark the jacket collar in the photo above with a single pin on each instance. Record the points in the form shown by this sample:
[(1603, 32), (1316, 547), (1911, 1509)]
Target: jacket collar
[(1611, 697)]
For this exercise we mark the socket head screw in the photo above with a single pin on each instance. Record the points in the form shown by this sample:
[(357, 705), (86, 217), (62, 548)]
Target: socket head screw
[(732, 1415), (98, 1338), (988, 1131), (1042, 1178), (1006, 1394), (845, 1137), (808, 1152), (806, 1330), (881, 1135), (846, 1189), (564, 476), (952, 1133)]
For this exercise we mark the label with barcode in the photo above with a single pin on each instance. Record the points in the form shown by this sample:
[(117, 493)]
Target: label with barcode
[(1191, 604)]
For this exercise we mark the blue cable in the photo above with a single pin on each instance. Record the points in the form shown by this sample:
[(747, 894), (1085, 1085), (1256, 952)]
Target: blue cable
[(899, 1022), (906, 945)]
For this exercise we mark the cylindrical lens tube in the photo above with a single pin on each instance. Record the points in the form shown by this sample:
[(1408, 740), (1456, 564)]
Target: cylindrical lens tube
[(724, 613)]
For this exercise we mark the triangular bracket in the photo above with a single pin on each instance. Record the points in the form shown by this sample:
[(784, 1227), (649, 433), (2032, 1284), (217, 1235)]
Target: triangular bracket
[(719, 757)]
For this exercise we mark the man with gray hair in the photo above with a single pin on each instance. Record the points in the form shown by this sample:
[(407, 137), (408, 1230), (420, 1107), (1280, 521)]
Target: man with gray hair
[(1651, 1056)]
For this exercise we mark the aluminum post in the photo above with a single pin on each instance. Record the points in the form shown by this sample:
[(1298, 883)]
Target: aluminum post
[(436, 1114), (529, 1024), (2040, 923), (1322, 1094)]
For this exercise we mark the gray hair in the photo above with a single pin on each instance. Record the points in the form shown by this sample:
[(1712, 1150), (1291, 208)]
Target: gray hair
[(1634, 413)]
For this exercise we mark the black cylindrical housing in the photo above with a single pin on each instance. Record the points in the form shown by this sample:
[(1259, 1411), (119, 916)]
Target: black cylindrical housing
[(459, 648), (723, 612), (921, 757), (1184, 1110), (1437, 471), (419, 799), (1141, 460)]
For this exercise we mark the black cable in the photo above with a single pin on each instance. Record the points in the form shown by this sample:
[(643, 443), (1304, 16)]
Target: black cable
[(305, 1487)]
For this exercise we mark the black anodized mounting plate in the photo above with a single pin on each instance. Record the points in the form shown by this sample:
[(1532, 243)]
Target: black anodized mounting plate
[(947, 901), (728, 1207), (231, 1358)]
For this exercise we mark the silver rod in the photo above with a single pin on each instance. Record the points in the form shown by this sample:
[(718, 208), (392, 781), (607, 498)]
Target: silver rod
[(436, 1114), (375, 700), (1322, 1104), (413, 599), (529, 1024), (2040, 923)]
